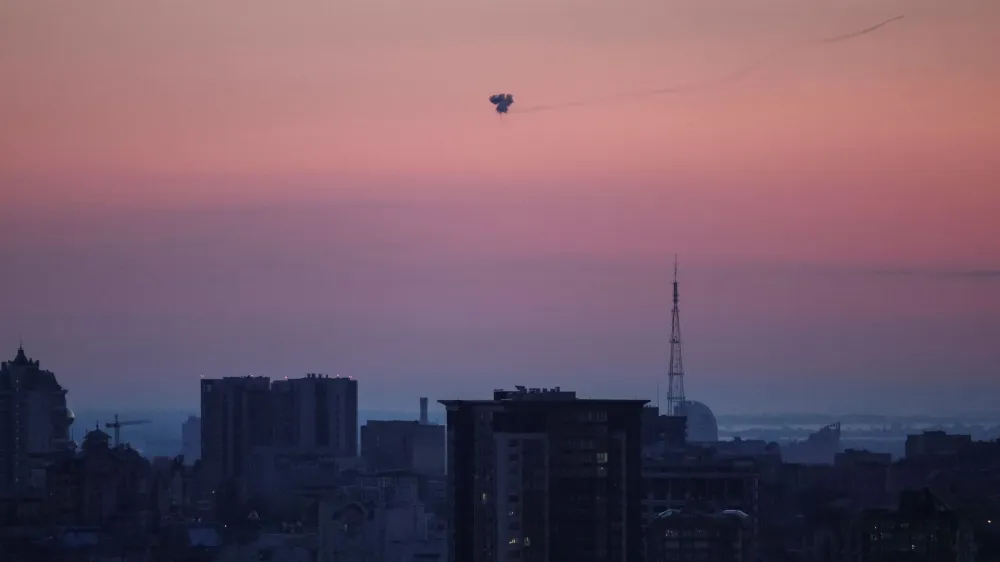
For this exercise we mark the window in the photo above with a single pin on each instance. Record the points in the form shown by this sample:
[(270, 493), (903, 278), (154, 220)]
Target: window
[(602, 458)]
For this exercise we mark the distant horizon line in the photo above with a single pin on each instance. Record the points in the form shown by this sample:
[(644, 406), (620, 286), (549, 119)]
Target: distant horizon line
[(775, 415)]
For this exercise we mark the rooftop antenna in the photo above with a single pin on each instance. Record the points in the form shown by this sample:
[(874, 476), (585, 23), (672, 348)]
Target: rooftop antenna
[(675, 373)]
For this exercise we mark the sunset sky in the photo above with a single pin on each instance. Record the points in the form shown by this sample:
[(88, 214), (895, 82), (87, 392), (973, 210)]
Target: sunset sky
[(227, 187)]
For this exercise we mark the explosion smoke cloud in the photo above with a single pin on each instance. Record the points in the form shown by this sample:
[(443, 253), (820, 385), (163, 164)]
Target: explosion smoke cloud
[(502, 102)]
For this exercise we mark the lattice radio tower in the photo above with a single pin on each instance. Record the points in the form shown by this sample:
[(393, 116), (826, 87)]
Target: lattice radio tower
[(675, 376)]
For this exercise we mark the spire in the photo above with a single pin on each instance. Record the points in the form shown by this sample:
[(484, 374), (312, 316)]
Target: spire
[(675, 374), (20, 358)]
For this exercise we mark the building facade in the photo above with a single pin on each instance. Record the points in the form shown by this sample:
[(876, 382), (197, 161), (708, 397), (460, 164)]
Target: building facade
[(672, 484), (101, 486), (315, 417), (922, 527), (698, 534), (666, 431), (34, 421), (191, 439), (317, 413), (236, 415), (404, 445), (538, 475), (930, 443)]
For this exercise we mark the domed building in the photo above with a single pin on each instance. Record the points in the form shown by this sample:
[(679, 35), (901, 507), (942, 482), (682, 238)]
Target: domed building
[(701, 424), (96, 440)]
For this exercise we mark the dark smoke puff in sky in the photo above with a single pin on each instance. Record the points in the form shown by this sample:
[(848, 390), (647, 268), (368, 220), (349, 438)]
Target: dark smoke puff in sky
[(502, 101), (705, 84)]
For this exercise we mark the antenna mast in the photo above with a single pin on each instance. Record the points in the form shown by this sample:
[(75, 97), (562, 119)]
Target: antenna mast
[(675, 375)]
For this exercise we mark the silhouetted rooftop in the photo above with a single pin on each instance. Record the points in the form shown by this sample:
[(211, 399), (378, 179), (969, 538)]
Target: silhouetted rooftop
[(31, 376)]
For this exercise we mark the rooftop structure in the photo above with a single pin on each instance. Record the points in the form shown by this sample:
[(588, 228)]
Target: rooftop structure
[(538, 475)]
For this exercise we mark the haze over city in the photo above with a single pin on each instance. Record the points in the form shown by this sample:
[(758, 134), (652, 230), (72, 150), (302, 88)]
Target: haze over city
[(225, 188)]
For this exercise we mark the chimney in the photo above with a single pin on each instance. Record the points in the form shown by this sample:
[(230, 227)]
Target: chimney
[(423, 411)]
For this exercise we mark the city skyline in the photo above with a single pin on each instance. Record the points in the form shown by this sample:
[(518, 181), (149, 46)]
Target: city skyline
[(270, 191), (412, 282)]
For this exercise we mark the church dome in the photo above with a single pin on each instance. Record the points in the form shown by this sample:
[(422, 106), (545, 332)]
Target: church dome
[(96, 439), (701, 424), (70, 416)]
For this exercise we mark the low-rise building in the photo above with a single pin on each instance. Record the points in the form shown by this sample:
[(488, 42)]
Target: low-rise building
[(700, 533)]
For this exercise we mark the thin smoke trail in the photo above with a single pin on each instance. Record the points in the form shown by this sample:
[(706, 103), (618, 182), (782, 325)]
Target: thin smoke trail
[(865, 31), (719, 81)]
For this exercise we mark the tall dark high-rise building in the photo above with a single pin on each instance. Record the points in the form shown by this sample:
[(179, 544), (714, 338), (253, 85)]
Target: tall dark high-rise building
[(317, 414), (314, 416), (34, 420), (236, 415), (537, 475)]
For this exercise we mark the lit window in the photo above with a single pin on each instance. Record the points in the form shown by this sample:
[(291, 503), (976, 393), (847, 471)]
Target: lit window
[(527, 541), (602, 458), (513, 541)]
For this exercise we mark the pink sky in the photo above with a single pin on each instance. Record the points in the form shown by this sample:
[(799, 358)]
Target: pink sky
[(223, 186)]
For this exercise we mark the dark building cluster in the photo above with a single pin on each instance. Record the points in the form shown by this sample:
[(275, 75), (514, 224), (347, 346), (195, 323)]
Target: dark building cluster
[(538, 474), (269, 470), (280, 470)]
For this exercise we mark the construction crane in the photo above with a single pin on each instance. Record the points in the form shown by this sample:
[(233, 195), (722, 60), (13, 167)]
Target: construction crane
[(117, 426)]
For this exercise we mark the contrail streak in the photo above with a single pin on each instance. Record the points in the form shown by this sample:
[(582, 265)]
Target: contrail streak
[(693, 86), (864, 31)]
